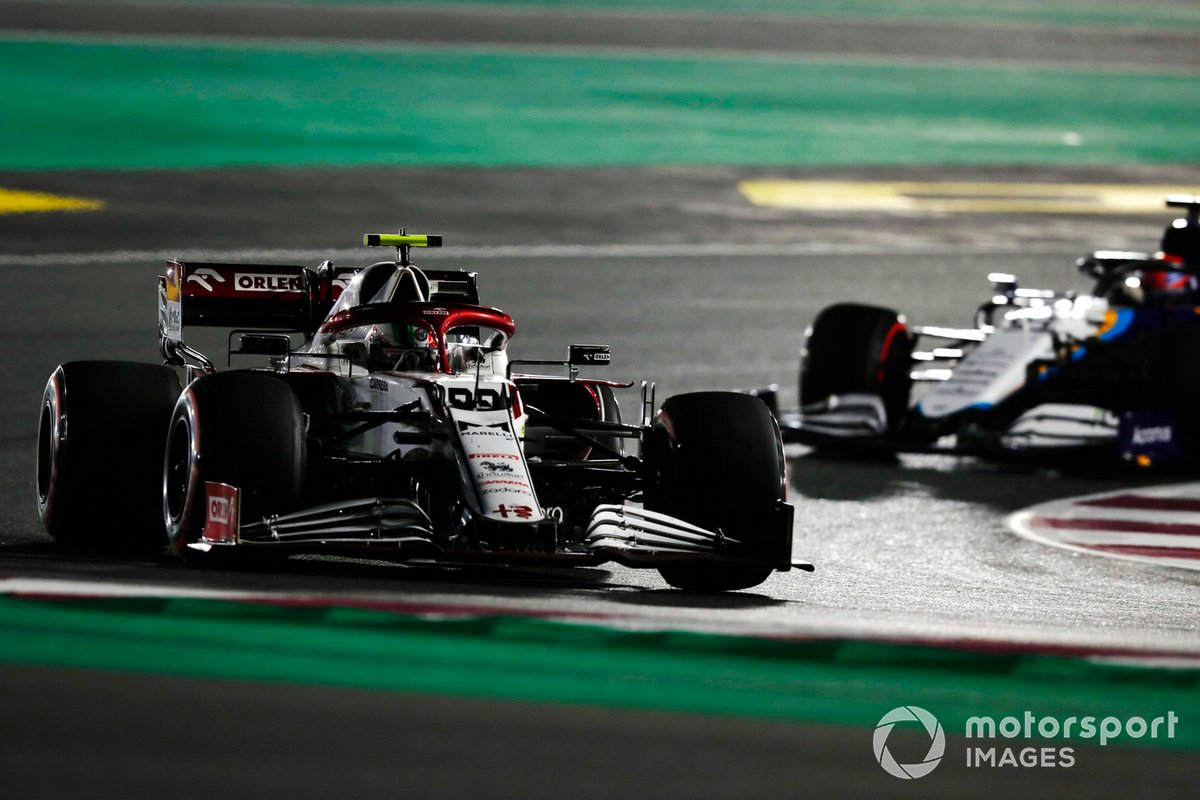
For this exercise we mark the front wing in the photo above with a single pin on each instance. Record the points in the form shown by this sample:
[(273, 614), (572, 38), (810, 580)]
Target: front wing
[(400, 528), (1058, 432)]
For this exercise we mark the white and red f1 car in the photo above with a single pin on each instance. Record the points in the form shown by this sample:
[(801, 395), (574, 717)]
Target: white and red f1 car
[(391, 423)]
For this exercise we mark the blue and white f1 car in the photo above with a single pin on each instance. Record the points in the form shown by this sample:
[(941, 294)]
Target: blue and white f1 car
[(1112, 373)]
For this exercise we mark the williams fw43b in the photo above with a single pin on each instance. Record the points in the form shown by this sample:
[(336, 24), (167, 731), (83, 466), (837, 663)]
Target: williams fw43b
[(390, 423), (1113, 374)]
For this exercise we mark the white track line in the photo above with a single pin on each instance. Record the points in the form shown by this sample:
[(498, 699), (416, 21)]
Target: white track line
[(1143, 515), (1099, 538), (551, 251), (87, 588)]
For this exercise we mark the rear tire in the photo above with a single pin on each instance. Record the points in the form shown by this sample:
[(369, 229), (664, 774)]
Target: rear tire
[(101, 435), (858, 349), (240, 428), (717, 462)]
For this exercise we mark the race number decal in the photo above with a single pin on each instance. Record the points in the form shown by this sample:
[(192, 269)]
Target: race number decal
[(515, 512)]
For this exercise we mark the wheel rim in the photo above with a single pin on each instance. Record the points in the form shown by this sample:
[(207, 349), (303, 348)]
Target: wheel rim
[(178, 470), (45, 454)]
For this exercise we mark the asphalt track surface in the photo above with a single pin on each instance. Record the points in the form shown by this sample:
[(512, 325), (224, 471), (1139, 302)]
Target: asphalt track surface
[(694, 288), (517, 26)]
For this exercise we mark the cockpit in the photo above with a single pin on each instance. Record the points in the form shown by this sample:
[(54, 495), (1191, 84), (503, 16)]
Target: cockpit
[(400, 318)]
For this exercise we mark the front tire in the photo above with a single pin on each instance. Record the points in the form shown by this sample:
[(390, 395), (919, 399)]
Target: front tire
[(101, 435), (240, 428), (717, 462), (858, 349)]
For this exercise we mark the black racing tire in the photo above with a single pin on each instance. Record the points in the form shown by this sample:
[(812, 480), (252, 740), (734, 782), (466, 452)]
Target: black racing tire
[(101, 434), (858, 349), (244, 429), (716, 460)]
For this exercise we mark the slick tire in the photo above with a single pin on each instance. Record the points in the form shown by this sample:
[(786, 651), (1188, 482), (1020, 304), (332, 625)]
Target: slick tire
[(240, 428), (101, 435), (858, 349), (716, 461)]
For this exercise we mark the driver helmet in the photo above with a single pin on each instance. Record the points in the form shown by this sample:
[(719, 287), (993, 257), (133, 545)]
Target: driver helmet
[(1181, 242), (400, 346), (1180, 246), (1167, 282)]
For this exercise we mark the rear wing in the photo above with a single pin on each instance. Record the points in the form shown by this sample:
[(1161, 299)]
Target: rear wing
[(284, 298), (270, 297), (1189, 202)]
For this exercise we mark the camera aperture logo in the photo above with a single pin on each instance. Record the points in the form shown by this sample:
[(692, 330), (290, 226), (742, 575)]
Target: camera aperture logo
[(937, 742), (1026, 729)]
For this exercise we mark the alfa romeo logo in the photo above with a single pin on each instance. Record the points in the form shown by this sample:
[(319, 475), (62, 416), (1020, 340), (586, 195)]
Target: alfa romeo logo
[(937, 743)]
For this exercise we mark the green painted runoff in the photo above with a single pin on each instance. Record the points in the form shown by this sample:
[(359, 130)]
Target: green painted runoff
[(1164, 14), (78, 103), (841, 682)]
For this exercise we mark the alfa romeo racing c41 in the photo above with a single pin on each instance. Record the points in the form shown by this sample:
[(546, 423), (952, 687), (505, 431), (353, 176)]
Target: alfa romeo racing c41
[(391, 423), (1112, 374)]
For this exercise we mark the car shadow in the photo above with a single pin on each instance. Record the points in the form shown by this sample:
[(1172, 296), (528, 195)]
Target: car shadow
[(675, 598), (1001, 486), (354, 577)]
